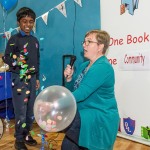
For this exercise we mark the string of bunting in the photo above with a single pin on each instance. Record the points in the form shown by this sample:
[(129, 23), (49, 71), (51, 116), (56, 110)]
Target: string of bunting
[(60, 7)]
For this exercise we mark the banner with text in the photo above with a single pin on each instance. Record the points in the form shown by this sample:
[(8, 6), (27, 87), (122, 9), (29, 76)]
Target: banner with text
[(127, 23)]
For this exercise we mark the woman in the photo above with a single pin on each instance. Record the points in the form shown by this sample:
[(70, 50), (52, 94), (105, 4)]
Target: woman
[(96, 123)]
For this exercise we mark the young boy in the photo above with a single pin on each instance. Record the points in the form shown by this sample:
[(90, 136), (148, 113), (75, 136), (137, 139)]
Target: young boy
[(22, 56)]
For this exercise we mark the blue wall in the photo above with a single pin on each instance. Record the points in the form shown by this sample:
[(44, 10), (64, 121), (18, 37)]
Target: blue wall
[(60, 36)]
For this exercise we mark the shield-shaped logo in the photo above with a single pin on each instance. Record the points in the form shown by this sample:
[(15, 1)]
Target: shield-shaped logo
[(119, 129), (129, 125)]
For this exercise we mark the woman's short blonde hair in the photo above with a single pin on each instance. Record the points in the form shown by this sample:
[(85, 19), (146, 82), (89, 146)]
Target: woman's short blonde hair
[(102, 37)]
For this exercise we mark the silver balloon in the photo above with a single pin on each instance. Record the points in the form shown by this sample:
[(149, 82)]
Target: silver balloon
[(1, 128), (54, 108)]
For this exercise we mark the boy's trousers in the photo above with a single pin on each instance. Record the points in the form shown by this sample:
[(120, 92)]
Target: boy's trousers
[(23, 97)]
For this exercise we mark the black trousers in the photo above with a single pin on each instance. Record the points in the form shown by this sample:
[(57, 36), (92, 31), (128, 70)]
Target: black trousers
[(70, 141), (23, 97)]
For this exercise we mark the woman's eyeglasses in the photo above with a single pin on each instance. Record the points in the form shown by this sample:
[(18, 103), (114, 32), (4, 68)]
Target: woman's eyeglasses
[(87, 42)]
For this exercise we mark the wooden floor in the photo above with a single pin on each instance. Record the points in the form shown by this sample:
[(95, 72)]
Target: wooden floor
[(54, 141)]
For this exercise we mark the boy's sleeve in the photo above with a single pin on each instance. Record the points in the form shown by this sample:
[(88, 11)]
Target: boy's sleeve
[(38, 62), (11, 53)]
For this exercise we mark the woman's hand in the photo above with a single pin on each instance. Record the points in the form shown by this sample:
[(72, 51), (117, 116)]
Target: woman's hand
[(68, 72)]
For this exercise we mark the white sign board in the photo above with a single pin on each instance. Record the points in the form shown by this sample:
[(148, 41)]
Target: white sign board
[(127, 22)]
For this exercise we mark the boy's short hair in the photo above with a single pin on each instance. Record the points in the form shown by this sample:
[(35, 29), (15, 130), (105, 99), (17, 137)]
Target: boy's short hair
[(25, 11)]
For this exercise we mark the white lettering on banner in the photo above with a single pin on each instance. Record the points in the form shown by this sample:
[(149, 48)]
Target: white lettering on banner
[(127, 126), (134, 59)]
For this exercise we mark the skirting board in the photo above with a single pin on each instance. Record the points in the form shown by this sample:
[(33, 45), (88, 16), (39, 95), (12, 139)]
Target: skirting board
[(133, 138)]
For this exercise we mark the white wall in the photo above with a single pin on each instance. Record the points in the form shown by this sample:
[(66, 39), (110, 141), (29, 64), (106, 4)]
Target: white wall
[(130, 36)]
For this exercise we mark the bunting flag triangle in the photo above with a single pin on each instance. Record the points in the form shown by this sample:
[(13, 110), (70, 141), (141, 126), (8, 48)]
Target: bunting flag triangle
[(62, 8), (11, 30), (8, 35), (34, 27), (78, 2), (18, 29), (45, 17)]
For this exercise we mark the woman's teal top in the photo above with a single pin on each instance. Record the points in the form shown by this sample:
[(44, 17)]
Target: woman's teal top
[(97, 105)]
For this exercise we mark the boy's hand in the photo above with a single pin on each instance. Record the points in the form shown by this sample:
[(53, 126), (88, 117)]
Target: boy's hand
[(37, 84)]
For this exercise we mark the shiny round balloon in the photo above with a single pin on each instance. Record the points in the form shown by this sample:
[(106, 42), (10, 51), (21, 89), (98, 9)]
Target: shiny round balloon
[(1, 128), (54, 108), (8, 4)]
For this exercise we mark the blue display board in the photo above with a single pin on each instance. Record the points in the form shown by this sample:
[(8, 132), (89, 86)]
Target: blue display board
[(5, 85)]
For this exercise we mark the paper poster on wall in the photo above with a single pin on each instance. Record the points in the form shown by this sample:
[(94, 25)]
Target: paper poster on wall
[(134, 60), (127, 23)]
